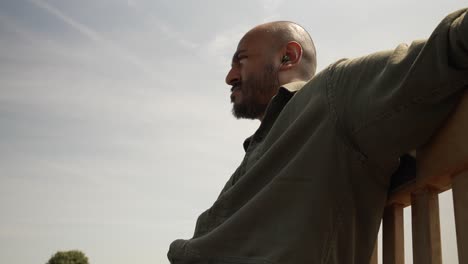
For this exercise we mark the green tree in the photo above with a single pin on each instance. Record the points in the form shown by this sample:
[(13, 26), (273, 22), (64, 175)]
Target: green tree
[(68, 257)]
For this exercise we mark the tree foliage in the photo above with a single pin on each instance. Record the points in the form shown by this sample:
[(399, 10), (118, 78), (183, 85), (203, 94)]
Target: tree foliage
[(68, 257)]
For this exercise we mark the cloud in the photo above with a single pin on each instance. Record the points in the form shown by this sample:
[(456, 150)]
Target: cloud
[(131, 3), (95, 36), (172, 34), (9, 25), (222, 46), (271, 8)]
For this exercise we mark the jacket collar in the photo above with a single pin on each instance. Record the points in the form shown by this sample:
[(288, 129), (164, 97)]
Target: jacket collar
[(293, 86), (274, 108)]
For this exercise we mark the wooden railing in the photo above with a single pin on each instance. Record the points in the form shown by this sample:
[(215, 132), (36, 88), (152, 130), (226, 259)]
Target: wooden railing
[(441, 165)]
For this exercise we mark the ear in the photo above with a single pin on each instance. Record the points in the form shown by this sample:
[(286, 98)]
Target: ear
[(292, 55)]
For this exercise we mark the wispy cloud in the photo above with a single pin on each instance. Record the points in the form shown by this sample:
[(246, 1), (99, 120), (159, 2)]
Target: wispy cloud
[(95, 36), (9, 25), (271, 8), (131, 3), (39, 41), (171, 33), (223, 45)]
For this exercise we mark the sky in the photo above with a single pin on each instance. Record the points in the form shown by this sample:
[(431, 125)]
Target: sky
[(116, 129)]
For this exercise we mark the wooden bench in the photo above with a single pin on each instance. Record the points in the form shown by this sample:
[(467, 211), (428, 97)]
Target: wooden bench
[(441, 165)]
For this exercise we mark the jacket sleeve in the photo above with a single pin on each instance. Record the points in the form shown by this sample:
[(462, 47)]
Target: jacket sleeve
[(391, 102)]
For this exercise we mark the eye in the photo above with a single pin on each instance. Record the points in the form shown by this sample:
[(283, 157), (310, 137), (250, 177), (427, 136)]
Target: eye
[(240, 58)]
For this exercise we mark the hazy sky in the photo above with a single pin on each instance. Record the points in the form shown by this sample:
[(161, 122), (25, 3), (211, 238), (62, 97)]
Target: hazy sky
[(115, 123)]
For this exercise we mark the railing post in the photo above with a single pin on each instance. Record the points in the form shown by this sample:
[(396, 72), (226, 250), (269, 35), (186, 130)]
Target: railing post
[(393, 235), (460, 204), (426, 227)]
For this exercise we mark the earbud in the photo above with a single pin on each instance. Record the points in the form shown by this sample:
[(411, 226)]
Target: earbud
[(285, 59)]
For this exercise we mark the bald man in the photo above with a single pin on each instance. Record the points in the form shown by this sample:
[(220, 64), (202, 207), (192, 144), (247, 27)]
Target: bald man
[(313, 183), (267, 57)]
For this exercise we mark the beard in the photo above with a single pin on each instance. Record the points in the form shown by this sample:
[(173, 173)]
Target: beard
[(257, 92)]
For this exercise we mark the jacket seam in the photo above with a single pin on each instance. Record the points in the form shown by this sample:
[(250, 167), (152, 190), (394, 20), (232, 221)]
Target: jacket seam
[(330, 96), (331, 104)]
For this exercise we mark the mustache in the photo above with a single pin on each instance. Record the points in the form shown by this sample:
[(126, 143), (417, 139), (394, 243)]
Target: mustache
[(235, 87)]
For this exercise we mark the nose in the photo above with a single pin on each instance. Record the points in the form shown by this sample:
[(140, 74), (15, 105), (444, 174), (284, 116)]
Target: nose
[(233, 76)]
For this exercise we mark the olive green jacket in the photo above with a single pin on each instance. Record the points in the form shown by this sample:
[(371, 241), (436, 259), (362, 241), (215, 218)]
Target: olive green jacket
[(314, 180)]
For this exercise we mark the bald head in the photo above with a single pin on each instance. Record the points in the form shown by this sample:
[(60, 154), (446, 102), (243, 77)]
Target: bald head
[(267, 57), (280, 33)]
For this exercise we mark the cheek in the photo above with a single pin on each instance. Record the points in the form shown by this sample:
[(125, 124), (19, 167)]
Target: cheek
[(249, 70)]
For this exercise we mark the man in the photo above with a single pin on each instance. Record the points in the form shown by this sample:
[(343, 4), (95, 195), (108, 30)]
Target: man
[(313, 183), (267, 57)]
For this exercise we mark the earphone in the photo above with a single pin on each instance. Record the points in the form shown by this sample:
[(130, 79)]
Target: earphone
[(285, 59)]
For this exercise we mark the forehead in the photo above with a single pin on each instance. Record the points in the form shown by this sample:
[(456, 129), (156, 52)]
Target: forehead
[(254, 40)]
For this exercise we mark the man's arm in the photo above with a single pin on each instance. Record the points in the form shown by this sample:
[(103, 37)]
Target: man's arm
[(391, 102)]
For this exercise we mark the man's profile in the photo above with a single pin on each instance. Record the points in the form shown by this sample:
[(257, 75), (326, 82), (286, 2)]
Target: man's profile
[(313, 183), (256, 82)]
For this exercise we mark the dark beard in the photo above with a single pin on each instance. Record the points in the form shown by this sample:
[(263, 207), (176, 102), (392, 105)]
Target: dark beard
[(255, 94)]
